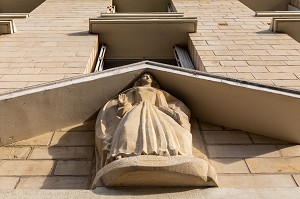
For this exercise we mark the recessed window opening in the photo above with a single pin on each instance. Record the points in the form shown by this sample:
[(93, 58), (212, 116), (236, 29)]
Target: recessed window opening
[(100, 61), (15, 9), (141, 15), (181, 59), (170, 8), (110, 63), (19, 6), (7, 26), (129, 40), (270, 5), (123, 6), (289, 26), (294, 5)]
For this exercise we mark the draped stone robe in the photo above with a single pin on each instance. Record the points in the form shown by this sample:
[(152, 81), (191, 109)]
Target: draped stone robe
[(155, 124)]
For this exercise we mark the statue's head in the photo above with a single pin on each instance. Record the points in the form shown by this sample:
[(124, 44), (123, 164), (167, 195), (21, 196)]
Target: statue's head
[(146, 80)]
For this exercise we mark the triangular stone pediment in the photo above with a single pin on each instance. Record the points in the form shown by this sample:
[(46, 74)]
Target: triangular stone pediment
[(243, 105)]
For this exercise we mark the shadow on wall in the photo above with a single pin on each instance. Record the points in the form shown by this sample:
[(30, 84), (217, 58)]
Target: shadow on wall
[(156, 192), (73, 152), (19, 6), (266, 5), (247, 160), (80, 34)]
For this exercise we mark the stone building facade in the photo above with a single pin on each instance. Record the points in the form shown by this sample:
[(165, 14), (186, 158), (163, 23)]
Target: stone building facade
[(54, 44)]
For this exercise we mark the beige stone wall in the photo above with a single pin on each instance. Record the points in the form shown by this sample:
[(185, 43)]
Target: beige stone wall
[(232, 42), (266, 5), (53, 43), (19, 6), (56, 160), (65, 159), (248, 160)]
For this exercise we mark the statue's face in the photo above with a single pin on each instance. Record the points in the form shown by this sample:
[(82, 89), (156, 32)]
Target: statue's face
[(146, 79)]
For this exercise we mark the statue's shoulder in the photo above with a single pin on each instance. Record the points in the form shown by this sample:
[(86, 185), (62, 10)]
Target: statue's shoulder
[(159, 92), (143, 88)]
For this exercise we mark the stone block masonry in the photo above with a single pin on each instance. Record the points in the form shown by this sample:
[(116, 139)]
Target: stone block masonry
[(248, 160), (231, 41), (52, 44), (65, 159), (56, 160)]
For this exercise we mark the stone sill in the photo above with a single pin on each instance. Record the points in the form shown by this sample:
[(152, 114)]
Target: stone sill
[(211, 193)]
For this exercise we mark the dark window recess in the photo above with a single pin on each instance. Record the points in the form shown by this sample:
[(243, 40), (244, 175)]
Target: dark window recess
[(129, 40), (271, 5), (110, 63), (181, 59), (123, 6), (19, 6)]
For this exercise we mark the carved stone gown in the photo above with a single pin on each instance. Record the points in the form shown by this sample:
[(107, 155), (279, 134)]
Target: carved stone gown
[(146, 130)]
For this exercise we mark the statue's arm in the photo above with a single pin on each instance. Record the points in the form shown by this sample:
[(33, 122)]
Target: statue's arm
[(172, 113), (182, 115), (124, 105), (175, 109)]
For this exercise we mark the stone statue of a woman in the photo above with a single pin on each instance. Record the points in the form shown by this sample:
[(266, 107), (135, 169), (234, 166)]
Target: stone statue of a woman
[(143, 121)]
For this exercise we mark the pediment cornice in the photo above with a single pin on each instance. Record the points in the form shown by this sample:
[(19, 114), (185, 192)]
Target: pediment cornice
[(244, 105)]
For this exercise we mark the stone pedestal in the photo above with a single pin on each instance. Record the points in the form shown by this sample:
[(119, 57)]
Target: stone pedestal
[(149, 170)]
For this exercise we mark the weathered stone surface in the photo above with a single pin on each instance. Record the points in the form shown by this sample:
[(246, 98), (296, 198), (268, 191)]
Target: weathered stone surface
[(8, 182), (229, 165), (83, 138), (199, 150), (42, 140), (150, 170), (265, 49), (259, 139), (143, 120), (62, 153), (87, 126), (43, 45), (289, 150), (144, 138), (74, 168), (26, 167), (297, 179), (274, 165), (154, 193), (240, 151), (53, 183), (256, 181), (226, 137), (209, 127), (14, 152)]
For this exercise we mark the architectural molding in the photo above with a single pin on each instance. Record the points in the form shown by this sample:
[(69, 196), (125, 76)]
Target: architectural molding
[(243, 105)]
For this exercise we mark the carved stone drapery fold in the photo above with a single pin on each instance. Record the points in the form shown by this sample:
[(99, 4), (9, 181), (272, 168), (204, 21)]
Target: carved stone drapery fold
[(143, 138)]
